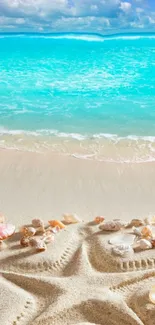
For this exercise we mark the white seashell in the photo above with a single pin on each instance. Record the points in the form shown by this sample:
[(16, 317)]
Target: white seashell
[(71, 218), (144, 244), (136, 231), (122, 239), (48, 239), (54, 230), (122, 250), (114, 225)]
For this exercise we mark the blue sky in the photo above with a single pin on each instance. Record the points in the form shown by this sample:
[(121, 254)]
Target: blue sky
[(96, 16)]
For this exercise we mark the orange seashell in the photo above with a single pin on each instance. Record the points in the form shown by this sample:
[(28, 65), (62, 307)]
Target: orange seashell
[(99, 219), (147, 231), (55, 223)]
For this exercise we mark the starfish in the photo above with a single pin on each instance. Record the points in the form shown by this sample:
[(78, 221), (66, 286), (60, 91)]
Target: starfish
[(101, 300)]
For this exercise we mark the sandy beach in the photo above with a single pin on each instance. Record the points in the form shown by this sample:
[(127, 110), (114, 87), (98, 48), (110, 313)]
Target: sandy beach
[(77, 280), (47, 185)]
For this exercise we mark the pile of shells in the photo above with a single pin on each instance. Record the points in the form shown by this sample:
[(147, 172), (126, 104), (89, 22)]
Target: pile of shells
[(38, 236), (141, 236)]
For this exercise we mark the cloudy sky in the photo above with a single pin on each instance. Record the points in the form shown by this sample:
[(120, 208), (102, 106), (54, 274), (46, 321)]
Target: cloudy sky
[(99, 16)]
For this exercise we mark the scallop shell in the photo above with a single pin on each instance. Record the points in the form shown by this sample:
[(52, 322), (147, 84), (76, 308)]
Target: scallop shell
[(71, 218), (123, 250), (6, 230), (122, 239), (55, 223), (144, 244), (114, 225)]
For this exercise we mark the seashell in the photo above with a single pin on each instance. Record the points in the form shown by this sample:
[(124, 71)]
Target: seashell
[(54, 223), (28, 231), (55, 229), (147, 231), (41, 246), (153, 243), (99, 219), (136, 223), (122, 239), (2, 219), (136, 231), (38, 223), (6, 230), (24, 241), (122, 250), (152, 295), (114, 225), (48, 239), (71, 218), (33, 242), (150, 220), (144, 244)]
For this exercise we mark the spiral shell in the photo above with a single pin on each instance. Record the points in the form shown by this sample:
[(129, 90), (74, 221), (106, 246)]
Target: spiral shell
[(24, 241)]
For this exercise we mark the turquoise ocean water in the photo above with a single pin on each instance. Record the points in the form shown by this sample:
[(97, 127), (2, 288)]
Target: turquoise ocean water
[(85, 95)]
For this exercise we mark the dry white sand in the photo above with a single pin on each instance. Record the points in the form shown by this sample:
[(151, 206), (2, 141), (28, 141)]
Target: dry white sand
[(77, 280)]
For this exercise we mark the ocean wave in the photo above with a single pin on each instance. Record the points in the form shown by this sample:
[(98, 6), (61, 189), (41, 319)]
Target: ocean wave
[(76, 136), (82, 36)]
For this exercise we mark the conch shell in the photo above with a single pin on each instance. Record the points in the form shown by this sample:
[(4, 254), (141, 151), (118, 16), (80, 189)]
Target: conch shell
[(122, 250), (114, 225), (144, 244), (71, 218)]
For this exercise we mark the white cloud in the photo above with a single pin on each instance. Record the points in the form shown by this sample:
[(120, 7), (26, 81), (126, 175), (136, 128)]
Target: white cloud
[(125, 6), (74, 15)]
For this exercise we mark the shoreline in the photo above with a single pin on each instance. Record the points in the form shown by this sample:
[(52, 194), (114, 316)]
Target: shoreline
[(47, 185)]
